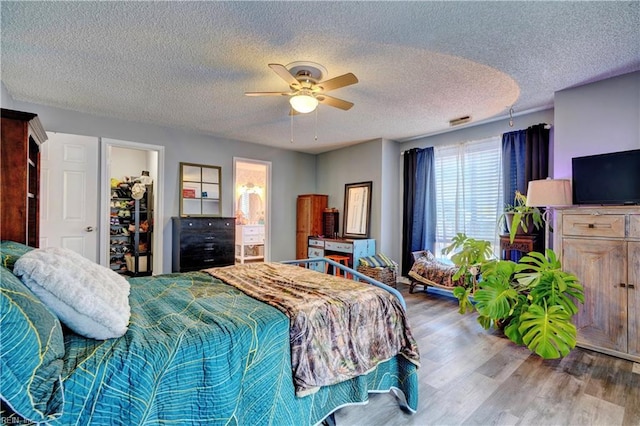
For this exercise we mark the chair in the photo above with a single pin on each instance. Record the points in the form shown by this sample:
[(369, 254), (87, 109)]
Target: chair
[(344, 260), (429, 271)]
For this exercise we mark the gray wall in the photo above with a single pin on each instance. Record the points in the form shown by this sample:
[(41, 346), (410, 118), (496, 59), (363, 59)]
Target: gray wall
[(596, 118), (293, 173), (377, 161)]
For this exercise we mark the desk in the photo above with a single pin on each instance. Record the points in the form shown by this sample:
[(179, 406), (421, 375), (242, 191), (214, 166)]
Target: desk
[(521, 243), (354, 249)]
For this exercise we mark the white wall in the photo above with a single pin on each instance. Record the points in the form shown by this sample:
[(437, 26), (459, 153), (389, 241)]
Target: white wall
[(596, 118), (127, 162)]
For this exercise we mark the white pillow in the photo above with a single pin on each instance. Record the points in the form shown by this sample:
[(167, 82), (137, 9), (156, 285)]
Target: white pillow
[(90, 299)]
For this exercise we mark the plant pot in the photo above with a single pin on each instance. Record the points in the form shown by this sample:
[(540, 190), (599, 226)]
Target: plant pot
[(527, 219)]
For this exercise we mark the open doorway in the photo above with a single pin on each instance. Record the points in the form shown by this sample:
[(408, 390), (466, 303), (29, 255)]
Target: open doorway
[(252, 179), (125, 163)]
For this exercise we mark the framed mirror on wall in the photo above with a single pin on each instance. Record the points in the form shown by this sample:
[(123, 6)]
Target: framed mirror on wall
[(357, 210), (200, 193)]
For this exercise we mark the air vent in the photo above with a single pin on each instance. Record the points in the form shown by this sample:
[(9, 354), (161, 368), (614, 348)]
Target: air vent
[(460, 120)]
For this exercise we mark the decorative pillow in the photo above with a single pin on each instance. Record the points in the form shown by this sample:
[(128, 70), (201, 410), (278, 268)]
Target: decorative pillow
[(90, 299), (10, 251), (378, 261), (31, 356), (427, 255)]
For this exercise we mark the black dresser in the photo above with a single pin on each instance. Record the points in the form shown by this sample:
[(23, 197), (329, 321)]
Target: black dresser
[(203, 242)]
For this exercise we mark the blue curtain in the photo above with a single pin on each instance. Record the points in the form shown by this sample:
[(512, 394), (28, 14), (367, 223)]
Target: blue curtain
[(513, 164), (525, 157), (419, 212)]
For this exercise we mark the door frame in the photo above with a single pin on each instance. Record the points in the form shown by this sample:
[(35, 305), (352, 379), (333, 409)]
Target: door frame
[(267, 201), (105, 198)]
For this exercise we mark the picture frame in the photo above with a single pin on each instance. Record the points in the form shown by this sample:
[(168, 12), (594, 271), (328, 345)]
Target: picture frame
[(357, 210)]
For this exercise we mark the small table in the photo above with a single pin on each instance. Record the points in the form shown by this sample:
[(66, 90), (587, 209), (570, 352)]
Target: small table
[(521, 243)]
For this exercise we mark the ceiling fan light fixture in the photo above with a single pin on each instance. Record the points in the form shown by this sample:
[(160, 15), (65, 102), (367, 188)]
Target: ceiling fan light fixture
[(303, 103)]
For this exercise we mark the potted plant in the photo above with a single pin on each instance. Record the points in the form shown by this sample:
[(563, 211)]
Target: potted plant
[(520, 218), (533, 300)]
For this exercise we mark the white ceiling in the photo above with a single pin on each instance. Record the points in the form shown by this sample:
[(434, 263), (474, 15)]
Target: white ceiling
[(420, 64)]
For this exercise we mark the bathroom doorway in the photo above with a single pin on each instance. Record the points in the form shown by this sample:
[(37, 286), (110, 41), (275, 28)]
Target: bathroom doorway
[(252, 180)]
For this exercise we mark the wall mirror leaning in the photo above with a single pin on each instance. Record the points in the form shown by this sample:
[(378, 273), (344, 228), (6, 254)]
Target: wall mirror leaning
[(200, 190), (357, 210)]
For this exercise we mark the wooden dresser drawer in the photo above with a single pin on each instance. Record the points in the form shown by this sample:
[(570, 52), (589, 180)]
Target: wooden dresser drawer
[(315, 252), (339, 247), (316, 243), (634, 226), (593, 225)]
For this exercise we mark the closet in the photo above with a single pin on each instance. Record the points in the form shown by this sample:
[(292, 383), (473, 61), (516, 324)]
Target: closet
[(22, 134)]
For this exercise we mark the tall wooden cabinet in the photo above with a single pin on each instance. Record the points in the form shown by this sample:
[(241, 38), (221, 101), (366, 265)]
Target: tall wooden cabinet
[(601, 246), (309, 220), (22, 134)]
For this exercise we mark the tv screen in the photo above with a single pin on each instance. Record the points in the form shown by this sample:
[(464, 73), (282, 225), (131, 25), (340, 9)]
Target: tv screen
[(612, 179)]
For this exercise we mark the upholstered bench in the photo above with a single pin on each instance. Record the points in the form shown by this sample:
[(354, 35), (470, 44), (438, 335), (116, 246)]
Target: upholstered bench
[(429, 271)]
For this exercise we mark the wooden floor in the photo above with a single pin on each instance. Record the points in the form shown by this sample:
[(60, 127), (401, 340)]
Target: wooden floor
[(470, 376)]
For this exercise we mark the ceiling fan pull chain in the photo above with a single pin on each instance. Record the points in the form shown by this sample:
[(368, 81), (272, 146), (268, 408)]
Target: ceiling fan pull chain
[(316, 131), (291, 129)]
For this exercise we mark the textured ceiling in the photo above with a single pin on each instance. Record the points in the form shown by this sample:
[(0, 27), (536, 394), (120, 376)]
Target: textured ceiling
[(420, 64)]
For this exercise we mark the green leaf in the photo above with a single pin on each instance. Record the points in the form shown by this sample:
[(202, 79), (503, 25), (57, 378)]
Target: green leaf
[(464, 299), (548, 331), (511, 331), (485, 321), (495, 298)]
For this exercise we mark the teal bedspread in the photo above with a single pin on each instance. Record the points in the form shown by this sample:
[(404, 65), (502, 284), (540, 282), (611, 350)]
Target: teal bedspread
[(198, 351)]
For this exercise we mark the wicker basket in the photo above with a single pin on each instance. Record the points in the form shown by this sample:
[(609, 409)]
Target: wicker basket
[(385, 275)]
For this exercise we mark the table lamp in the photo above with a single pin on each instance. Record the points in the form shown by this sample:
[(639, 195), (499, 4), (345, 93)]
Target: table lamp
[(549, 193)]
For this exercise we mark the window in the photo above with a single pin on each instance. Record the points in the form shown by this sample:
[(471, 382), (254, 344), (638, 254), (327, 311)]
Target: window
[(468, 191)]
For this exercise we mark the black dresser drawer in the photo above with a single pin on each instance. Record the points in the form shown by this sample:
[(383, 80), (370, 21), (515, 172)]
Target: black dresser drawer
[(203, 242), (191, 224)]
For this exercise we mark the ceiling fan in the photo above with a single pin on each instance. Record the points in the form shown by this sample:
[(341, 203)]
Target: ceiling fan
[(307, 88)]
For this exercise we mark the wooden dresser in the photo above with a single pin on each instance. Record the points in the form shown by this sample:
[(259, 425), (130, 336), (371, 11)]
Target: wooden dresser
[(601, 246), (203, 242), (22, 134), (309, 220)]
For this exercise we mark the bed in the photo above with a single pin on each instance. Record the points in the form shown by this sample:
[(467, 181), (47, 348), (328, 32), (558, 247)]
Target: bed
[(198, 350)]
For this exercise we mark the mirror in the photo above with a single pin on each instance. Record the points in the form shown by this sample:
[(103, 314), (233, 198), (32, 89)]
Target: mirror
[(200, 190), (357, 207), (250, 205)]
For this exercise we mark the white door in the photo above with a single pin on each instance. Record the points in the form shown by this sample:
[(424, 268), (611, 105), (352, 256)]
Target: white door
[(69, 193)]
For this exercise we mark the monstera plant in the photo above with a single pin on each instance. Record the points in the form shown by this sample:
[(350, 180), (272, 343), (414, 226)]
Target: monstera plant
[(533, 300)]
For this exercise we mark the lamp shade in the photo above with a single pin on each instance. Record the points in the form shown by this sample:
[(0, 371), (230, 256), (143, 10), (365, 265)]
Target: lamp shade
[(303, 103), (549, 193)]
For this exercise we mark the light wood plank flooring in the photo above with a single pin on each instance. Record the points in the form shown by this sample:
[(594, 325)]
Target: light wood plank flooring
[(470, 376)]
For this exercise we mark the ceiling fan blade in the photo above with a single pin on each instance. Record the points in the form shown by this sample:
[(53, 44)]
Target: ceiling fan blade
[(267, 93), (338, 82), (284, 74), (334, 102)]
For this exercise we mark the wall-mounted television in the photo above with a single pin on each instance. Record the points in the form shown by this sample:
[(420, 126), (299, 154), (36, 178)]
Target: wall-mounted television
[(607, 179)]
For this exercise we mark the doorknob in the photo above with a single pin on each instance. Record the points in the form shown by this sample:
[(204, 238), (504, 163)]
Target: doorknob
[(89, 229)]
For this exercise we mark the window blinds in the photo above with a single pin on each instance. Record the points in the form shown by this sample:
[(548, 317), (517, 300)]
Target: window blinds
[(468, 191)]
